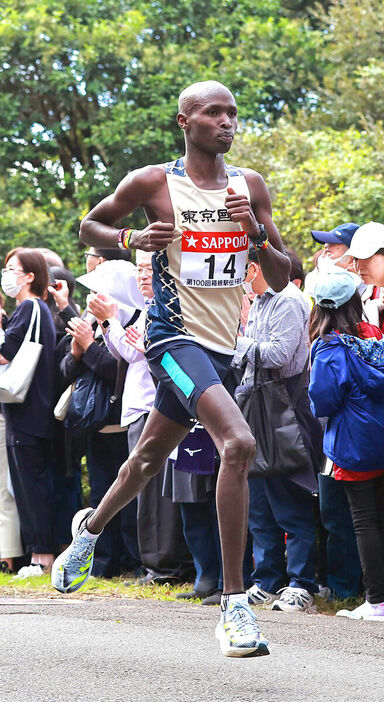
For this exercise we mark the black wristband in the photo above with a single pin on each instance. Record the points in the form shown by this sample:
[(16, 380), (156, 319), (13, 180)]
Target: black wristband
[(259, 241)]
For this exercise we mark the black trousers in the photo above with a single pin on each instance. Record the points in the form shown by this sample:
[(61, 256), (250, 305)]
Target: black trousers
[(117, 550), (31, 474), (163, 550), (366, 500)]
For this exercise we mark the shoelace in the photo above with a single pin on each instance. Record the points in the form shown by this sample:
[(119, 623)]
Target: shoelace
[(293, 595), (244, 619), (80, 555)]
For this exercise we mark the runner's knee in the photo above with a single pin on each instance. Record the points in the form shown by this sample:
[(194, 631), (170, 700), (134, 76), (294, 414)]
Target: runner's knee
[(143, 467), (238, 450)]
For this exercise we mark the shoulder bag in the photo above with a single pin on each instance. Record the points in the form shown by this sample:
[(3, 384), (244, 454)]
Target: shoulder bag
[(270, 413), (93, 405), (16, 376), (61, 407)]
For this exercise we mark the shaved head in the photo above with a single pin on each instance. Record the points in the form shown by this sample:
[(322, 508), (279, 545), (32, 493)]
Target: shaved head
[(199, 94)]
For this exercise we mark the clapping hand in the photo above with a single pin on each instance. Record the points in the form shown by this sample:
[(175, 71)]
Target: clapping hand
[(102, 306), (81, 331), (135, 339)]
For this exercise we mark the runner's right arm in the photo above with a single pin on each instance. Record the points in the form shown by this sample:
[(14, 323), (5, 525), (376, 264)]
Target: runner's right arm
[(135, 190)]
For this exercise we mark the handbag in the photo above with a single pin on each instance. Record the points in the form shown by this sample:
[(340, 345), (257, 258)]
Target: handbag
[(270, 413), (17, 375), (93, 405), (61, 407)]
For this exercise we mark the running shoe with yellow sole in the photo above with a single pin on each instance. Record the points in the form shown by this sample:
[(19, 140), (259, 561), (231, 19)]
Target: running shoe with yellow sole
[(73, 567), (238, 632)]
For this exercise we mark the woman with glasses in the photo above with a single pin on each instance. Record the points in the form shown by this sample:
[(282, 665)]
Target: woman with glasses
[(29, 424)]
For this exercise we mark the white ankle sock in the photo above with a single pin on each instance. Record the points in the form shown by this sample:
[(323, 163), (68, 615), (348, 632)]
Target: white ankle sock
[(87, 535), (241, 597)]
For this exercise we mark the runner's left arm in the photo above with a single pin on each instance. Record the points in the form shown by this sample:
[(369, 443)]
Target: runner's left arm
[(275, 265)]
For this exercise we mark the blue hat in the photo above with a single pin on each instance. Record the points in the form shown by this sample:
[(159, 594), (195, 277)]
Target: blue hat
[(340, 235), (334, 289)]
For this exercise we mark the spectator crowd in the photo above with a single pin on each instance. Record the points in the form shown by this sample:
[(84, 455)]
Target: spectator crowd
[(310, 360)]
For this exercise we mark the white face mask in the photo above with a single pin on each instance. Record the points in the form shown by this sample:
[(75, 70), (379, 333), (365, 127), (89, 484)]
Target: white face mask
[(247, 287), (9, 283), (328, 265), (325, 264)]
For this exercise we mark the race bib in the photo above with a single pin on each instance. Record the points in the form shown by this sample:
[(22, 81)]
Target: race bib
[(213, 259)]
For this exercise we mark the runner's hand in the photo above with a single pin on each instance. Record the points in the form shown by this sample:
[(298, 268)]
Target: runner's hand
[(135, 339), (240, 210), (155, 237)]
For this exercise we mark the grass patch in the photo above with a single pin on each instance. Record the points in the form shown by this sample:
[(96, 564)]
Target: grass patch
[(324, 607), (38, 587)]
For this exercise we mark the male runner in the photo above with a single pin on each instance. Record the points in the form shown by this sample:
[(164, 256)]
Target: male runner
[(200, 213)]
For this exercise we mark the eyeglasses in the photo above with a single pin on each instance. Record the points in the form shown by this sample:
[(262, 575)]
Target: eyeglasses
[(88, 253), (11, 270), (144, 269)]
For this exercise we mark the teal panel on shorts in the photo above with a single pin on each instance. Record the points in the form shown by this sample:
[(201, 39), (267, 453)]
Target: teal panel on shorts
[(179, 377)]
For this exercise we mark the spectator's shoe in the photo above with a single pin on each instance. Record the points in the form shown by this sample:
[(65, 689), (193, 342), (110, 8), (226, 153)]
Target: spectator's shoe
[(214, 599), (293, 599), (368, 612), (152, 578), (238, 632), (4, 568), (258, 596), (193, 595), (73, 567), (325, 593), (31, 571)]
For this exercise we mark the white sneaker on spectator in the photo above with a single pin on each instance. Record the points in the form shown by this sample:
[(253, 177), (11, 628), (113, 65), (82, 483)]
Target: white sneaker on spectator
[(31, 571), (258, 596), (368, 612), (293, 599)]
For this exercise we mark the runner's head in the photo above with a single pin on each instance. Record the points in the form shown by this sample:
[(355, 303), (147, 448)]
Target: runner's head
[(208, 116)]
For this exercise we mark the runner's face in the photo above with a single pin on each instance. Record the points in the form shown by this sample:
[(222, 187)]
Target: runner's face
[(212, 124)]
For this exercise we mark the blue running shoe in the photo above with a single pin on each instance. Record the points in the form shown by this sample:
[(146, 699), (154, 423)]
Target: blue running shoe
[(238, 632), (73, 567)]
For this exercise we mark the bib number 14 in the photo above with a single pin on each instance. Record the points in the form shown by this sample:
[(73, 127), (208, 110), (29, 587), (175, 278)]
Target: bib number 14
[(230, 266), (213, 260)]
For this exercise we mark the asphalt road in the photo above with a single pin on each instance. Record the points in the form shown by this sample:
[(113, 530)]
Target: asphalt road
[(113, 650)]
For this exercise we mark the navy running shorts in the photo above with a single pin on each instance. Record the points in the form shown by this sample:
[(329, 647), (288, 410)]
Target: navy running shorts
[(184, 370)]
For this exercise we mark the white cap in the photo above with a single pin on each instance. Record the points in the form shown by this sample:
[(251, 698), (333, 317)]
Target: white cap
[(118, 279), (367, 240)]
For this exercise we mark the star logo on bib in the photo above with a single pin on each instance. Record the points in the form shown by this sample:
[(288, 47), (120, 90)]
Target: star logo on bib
[(191, 241)]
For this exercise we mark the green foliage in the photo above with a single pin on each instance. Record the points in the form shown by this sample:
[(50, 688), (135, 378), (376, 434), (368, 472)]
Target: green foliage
[(351, 93), (317, 179)]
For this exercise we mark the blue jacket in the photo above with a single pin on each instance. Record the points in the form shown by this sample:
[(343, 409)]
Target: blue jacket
[(347, 386)]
